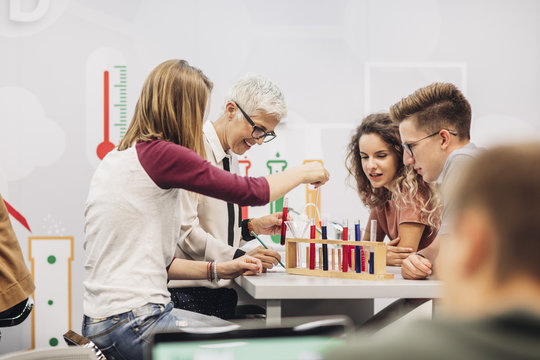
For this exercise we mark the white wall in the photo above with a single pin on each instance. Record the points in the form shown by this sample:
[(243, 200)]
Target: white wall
[(335, 60)]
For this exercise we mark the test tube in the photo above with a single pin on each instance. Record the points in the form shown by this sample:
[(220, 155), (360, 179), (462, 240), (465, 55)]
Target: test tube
[(312, 234), (357, 256), (283, 219), (372, 237), (325, 246), (346, 252)]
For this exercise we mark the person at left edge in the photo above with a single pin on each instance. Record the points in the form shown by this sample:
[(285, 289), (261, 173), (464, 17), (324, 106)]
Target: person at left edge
[(213, 229), (16, 283)]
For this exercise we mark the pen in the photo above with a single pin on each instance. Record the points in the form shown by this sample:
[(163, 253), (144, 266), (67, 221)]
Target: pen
[(266, 247)]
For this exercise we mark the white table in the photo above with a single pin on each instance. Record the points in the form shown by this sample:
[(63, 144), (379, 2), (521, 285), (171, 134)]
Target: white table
[(274, 287)]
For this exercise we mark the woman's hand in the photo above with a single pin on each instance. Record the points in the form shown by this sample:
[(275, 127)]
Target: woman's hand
[(416, 267), (244, 265), (267, 225), (394, 254), (269, 257), (314, 173)]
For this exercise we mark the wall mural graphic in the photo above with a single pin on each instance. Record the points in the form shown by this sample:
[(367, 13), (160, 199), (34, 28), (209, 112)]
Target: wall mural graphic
[(17, 216), (313, 196), (107, 102), (275, 166), (51, 259), (244, 164)]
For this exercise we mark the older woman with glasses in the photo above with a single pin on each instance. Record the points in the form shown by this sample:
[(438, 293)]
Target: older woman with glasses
[(213, 229), (406, 208)]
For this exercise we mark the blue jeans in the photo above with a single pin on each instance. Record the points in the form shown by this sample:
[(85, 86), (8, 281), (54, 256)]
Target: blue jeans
[(126, 336)]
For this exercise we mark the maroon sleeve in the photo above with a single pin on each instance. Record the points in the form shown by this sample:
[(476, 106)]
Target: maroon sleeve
[(173, 166)]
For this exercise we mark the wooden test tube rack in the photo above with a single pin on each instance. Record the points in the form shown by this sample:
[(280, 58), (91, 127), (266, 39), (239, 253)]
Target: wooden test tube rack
[(379, 266)]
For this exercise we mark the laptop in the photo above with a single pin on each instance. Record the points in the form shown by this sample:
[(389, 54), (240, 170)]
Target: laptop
[(294, 338)]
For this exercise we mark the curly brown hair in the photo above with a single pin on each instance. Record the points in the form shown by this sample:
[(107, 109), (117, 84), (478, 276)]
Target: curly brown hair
[(407, 189)]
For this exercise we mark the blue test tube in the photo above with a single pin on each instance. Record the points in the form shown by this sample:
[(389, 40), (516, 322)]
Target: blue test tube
[(357, 257), (324, 246)]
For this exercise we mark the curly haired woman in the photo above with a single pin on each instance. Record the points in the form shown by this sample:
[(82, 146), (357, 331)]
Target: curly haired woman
[(406, 208)]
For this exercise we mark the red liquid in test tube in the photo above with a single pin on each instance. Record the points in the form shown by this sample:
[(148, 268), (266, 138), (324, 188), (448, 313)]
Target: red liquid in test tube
[(346, 252), (283, 219), (312, 235)]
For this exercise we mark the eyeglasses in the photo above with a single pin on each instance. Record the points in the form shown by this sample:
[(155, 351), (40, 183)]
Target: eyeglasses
[(258, 132), (408, 146)]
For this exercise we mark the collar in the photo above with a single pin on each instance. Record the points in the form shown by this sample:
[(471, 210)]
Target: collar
[(211, 136), (465, 149)]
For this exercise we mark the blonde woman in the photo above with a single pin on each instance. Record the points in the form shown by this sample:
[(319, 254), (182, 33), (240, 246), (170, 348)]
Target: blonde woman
[(406, 208), (132, 214)]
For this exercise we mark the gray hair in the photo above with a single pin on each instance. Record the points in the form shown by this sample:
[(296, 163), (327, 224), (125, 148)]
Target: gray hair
[(255, 92)]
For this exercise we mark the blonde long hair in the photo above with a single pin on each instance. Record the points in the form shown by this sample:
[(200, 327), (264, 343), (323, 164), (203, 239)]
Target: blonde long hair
[(171, 107), (407, 189)]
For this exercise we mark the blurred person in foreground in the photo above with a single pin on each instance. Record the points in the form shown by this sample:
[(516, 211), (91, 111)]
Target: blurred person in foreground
[(490, 270)]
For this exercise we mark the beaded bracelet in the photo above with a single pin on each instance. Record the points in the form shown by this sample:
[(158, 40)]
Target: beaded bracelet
[(208, 267), (215, 272)]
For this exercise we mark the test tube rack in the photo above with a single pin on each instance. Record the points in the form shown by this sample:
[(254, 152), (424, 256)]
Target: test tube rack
[(379, 268)]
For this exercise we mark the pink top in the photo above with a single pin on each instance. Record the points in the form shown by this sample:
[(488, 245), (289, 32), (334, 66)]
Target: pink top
[(389, 217)]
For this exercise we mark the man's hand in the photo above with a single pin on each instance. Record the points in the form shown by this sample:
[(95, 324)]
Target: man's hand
[(244, 265), (268, 257), (267, 225), (394, 254), (416, 267)]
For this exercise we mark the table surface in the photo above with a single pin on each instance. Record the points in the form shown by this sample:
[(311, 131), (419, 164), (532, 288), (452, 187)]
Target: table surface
[(280, 285)]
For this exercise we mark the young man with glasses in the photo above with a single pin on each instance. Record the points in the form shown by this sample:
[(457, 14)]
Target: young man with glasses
[(434, 125), (212, 229)]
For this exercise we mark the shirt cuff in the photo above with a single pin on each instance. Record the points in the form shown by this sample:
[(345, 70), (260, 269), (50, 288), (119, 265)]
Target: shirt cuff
[(238, 253), (246, 235)]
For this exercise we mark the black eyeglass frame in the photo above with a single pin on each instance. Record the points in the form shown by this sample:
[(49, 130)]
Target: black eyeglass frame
[(407, 146), (267, 136)]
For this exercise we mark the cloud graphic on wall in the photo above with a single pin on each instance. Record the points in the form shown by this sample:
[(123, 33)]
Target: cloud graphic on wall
[(30, 139)]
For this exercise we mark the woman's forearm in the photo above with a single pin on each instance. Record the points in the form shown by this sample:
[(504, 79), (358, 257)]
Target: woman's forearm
[(309, 173), (182, 269), (281, 183)]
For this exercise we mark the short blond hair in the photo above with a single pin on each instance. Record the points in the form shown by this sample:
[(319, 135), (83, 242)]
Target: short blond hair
[(435, 107)]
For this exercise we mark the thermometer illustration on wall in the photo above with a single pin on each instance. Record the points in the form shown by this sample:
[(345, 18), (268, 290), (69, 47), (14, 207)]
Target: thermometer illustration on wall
[(107, 102), (106, 145)]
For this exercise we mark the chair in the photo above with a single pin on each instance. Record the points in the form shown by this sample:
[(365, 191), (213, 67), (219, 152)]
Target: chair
[(16, 314), (73, 339), (66, 353)]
